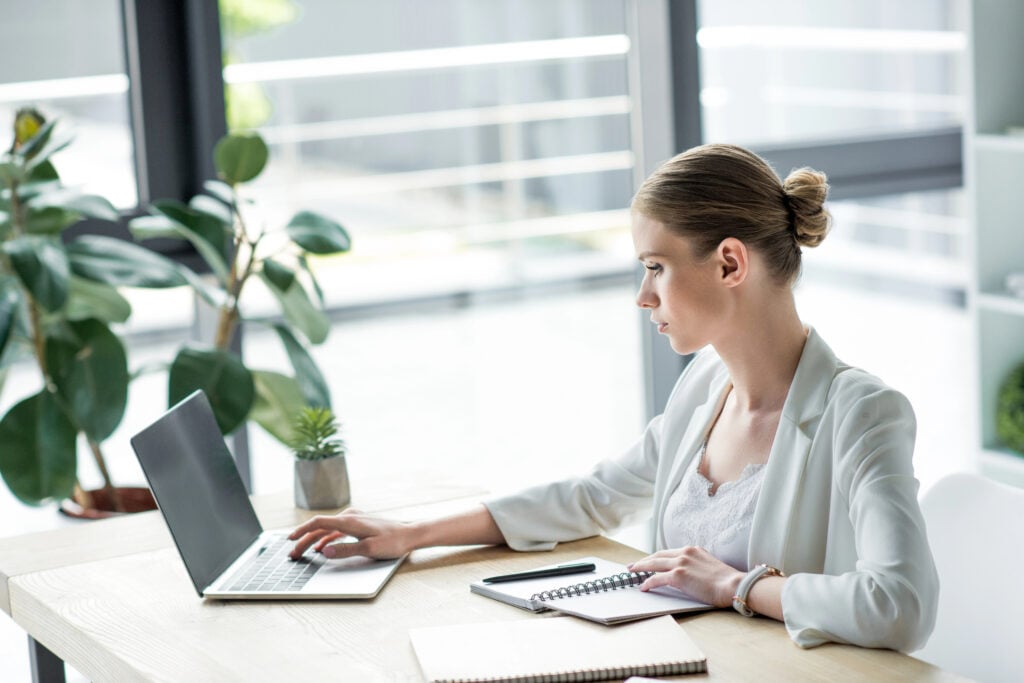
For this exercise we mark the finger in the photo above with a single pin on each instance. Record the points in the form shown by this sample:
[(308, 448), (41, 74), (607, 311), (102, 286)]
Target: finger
[(337, 551), (658, 580), (303, 543), (655, 564), (314, 524), (322, 543), (344, 522), (661, 554)]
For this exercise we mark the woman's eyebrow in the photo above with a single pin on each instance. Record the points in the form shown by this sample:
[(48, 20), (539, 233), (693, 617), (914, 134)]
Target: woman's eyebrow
[(648, 254)]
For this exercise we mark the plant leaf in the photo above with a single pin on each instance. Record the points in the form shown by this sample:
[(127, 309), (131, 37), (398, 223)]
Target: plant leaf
[(220, 190), (240, 157), (304, 262), (9, 304), (177, 222), (207, 205), (91, 205), (221, 375), (91, 375), (42, 266), (318, 234), (278, 400), (206, 226), (42, 174), (49, 220), (91, 299), (10, 174), (282, 276), (55, 144), (37, 141), (299, 310), (311, 381), (38, 459), (122, 264)]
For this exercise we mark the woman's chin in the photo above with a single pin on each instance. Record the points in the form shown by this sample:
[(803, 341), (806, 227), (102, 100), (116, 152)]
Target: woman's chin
[(682, 346)]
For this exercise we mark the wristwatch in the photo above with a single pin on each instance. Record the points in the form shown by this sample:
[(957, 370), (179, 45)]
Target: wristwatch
[(739, 601)]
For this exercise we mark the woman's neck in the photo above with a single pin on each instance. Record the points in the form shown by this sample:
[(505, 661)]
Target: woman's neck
[(762, 355)]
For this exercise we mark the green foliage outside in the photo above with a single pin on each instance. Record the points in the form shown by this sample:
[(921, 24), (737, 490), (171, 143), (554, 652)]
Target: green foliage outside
[(1010, 410), (247, 105)]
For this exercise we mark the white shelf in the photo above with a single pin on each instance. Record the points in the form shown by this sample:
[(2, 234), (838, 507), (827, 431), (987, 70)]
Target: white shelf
[(1001, 302), (1003, 465), (999, 143)]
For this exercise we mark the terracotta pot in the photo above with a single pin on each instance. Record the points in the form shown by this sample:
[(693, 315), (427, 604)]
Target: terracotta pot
[(131, 498)]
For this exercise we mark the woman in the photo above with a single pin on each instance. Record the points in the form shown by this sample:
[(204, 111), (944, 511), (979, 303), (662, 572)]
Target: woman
[(780, 479)]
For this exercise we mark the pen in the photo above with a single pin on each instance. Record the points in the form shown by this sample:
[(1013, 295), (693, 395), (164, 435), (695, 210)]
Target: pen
[(560, 570)]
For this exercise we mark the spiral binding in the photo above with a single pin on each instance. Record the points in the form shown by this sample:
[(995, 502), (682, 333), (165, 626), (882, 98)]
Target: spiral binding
[(608, 583)]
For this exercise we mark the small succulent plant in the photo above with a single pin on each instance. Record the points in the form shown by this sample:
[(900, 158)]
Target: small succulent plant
[(315, 435)]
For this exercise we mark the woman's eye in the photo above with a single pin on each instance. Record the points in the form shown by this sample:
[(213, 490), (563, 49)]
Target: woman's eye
[(653, 267)]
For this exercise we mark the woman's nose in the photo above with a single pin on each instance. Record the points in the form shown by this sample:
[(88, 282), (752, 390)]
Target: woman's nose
[(645, 297)]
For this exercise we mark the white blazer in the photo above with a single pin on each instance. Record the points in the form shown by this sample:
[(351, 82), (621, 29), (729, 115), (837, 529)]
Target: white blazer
[(837, 512)]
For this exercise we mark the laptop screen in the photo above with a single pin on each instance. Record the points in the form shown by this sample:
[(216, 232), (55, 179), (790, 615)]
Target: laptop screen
[(197, 486)]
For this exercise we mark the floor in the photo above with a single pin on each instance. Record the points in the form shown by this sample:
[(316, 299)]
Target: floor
[(538, 387)]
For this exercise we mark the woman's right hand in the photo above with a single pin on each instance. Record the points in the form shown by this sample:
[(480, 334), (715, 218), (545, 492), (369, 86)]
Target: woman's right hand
[(364, 535)]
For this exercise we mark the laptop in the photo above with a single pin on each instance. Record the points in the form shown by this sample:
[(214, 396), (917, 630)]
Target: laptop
[(227, 553)]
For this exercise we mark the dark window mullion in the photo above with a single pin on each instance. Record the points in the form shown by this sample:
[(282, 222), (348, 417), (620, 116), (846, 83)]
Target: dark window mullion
[(879, 164), (176, 94)]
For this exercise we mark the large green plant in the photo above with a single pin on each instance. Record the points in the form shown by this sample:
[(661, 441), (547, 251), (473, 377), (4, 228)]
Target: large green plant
[(217, 223), (58, 300)]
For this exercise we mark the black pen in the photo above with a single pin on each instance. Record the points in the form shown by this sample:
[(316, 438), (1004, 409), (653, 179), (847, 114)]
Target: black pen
[(561, 570)]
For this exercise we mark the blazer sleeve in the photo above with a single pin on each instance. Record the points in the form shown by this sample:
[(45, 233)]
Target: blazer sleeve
[(890, 599), (617, 491)]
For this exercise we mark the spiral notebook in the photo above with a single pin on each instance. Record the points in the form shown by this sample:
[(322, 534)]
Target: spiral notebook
[(543, 650), (608, 595)]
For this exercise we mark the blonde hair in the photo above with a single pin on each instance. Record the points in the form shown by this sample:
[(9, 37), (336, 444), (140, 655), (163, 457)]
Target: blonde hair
[(712, 192)]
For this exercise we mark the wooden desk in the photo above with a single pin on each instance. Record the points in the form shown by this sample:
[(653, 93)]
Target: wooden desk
[(133, 615)]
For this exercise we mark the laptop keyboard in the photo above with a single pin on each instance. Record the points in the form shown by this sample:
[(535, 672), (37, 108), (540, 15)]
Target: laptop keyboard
[(272, 570)]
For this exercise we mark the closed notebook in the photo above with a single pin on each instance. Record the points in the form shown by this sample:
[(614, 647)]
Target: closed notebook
[(542, 650), (609, 595)]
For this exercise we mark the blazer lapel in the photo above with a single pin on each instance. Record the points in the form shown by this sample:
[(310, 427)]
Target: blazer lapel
[(770, 532), (688, 446)]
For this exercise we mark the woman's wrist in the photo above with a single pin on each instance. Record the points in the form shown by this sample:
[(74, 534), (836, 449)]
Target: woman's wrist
[(416, 535), (729, 588)]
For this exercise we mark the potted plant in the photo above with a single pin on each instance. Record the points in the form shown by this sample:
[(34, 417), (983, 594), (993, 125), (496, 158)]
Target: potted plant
[(58, 301), (321, 473), (218, 224), (1010, 410)]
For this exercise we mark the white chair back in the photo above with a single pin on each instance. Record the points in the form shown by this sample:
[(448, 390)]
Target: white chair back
[(976, 532)]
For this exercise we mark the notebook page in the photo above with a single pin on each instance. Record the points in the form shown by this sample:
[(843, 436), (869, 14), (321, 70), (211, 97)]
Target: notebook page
[(627, 604), (539, 649)]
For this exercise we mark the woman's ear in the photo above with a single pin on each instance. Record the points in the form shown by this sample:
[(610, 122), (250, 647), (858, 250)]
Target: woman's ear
[(733, 260)]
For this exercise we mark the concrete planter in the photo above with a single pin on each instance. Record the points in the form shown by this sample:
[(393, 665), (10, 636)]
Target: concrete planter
[(321, 484)]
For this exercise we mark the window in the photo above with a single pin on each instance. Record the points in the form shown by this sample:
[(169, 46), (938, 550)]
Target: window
[(789, 71), (468, 145), (67, 59)]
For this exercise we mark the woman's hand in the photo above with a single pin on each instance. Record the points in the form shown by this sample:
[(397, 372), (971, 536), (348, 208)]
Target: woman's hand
[(374, 537), (692, 570), (387, 539)]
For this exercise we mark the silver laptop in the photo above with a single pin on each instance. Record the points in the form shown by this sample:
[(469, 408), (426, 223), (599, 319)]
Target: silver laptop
[(227, 553)]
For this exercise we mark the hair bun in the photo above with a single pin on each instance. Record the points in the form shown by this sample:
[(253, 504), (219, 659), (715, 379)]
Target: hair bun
[(806, 190)]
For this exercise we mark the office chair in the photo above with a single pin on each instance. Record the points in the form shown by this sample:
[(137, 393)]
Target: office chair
[(976, 532)]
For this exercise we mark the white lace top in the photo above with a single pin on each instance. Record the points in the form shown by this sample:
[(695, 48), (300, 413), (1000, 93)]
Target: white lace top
[(719, 523)]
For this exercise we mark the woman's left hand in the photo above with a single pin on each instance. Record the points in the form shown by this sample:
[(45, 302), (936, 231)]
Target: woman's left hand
[(692, 570)]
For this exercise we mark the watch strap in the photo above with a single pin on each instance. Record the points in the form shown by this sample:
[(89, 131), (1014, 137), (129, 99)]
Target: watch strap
[(739, 601)]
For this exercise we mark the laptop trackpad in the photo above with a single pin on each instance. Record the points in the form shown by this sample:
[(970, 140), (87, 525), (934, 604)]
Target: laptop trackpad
[(352, 577)]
